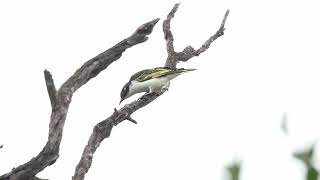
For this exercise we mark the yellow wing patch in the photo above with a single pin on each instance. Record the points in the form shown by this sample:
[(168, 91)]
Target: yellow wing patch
[(154, 74), (158, 73)]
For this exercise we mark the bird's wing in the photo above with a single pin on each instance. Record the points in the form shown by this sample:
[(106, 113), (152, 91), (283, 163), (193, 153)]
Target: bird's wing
[(151, 73), (138, 74), (147, 74)]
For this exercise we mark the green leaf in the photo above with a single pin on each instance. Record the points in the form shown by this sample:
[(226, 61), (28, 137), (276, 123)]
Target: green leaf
[(234, 170), (306, 157)]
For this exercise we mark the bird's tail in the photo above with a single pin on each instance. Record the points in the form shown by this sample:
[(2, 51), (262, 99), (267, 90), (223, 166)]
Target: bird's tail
[(176, 72), (182, 70)]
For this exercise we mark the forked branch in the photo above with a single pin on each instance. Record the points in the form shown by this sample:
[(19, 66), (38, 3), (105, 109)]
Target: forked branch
[(60, 101), (103, 129), (188, 52)]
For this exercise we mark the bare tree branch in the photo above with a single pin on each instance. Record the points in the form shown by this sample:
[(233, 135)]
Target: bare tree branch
[(167, 30), (61, 100), (175, 57), (103, 129)]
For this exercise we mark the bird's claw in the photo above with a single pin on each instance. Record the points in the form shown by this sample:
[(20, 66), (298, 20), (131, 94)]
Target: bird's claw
[(164, 89)]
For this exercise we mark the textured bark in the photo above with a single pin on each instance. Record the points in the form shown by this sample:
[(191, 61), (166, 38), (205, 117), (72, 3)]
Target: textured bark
[(103, 129), (61, 99)]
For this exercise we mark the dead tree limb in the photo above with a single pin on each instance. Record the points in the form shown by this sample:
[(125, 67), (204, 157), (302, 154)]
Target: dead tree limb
[(103, 129), (61, 99), (188, 52)]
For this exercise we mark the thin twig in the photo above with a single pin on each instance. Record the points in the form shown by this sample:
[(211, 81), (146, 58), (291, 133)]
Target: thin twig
[(218, 34)]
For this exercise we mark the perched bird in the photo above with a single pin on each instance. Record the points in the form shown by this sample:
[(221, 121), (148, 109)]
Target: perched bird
[(150, 80)]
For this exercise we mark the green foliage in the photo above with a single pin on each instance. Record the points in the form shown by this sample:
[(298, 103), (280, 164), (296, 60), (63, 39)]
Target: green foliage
[(312, 174), (234, 170), (306, 157)]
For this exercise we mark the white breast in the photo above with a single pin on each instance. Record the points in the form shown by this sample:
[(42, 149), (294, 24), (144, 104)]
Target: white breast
[(152, 84)]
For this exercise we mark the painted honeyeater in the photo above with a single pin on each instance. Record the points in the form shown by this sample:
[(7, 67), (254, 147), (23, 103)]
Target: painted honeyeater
[(150, 80)]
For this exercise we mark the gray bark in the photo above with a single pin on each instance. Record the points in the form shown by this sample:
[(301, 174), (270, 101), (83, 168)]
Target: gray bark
[(61, 99), (103, 129)]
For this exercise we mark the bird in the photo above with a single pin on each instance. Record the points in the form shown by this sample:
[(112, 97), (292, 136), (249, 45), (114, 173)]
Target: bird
[(150, 80)]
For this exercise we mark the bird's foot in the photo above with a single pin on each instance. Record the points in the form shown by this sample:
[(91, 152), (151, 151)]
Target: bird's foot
[(164, 89)]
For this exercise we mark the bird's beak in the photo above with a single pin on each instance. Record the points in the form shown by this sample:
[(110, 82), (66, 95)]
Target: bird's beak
[(121, 101)]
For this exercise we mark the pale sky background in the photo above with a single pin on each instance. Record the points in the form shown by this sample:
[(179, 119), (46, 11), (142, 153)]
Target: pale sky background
[(231, 107)]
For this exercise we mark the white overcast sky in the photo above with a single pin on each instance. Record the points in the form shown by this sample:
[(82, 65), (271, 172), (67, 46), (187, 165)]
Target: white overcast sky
[(231, 107)]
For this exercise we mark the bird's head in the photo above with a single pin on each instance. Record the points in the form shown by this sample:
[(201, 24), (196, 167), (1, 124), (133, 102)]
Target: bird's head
[(125, 92)]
